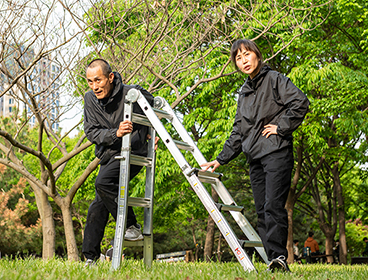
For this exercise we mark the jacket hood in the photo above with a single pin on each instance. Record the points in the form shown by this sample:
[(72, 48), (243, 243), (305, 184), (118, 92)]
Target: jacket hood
[(251, 85)]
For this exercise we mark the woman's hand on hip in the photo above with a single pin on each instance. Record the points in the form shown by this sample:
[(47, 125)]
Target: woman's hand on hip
[(269, 130)]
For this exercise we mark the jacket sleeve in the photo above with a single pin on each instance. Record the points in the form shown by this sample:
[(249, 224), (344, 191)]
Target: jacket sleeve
[(94, 131), (295, 103), (233, 145)]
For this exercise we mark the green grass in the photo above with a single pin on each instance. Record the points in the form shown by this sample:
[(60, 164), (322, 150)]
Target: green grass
[(37, 269)]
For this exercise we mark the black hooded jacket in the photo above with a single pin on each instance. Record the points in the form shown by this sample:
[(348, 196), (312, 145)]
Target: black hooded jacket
[(103, 116), (268, 98)]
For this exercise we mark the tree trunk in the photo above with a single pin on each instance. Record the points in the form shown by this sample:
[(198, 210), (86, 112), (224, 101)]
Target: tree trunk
[(210, 236), (329, 247), (71, 243), (219, 253), (290, 204), (341, 211), (290, 211), (48, 225)]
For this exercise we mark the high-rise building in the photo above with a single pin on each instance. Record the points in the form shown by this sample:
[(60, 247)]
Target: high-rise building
[(43, 84)]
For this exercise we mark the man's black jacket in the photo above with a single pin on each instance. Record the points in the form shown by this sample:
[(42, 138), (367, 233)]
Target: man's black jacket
[(102, 118), (268, 98)]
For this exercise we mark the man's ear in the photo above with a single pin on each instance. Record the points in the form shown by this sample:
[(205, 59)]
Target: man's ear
[(111, 77)]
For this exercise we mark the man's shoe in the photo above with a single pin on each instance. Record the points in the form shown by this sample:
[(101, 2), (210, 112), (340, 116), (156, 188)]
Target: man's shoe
[(133, 233), (89, 263), (279, 264)]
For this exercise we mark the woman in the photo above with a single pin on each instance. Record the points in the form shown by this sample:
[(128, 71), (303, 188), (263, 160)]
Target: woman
[(270, 107)]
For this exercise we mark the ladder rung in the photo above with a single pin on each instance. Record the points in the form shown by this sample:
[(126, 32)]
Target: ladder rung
[(139, 160), (140, 119), (139, 202), (250, 243), (183, 145), (202, 173), (225, 207), (162, 114)]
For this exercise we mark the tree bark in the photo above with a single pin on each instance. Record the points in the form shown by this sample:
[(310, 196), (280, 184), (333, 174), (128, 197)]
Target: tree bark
[(210, 236), (329, 246), (341, 210), (290, 211), (219, 253), (71, 243), (48, 224)]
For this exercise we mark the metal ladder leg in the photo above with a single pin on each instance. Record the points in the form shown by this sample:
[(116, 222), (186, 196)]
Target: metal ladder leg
[(149, 193), (123, 192), (126, 158)]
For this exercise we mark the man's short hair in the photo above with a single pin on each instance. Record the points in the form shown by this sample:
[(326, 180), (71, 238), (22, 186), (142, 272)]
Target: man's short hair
[(311, 233), (365, 238), (105, 66), (296, 241)]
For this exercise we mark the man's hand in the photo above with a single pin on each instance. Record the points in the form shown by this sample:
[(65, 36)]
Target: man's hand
[(125, 127), (269, 130), (156, 140), (214, 164)]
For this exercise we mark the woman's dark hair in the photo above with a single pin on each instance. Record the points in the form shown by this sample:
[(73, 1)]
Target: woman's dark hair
[(249, 46), (105, 66)]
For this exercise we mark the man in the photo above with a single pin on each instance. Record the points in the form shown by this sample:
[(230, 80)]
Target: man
[(312, 244), (103, 125)]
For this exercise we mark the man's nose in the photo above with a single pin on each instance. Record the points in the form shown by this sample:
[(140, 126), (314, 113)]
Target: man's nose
[(94, 86), (244, 60)]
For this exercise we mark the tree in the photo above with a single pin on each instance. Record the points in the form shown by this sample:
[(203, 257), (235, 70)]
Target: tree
[(35, 41), (335, 80)]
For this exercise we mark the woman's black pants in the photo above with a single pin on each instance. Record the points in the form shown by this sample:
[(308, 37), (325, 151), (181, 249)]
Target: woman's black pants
[(106, 189), (270, 179)]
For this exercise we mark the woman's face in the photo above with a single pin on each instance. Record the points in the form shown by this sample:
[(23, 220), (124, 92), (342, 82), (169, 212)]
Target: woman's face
[(247, 62)]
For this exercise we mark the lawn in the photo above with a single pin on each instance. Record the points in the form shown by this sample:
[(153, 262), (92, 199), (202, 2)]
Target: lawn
[(37, 269)]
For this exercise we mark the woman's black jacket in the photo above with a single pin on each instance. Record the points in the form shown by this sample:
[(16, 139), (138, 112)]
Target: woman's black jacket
[(102, 118), (268, 98)]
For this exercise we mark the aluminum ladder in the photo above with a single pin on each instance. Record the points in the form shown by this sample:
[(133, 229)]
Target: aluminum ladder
[(195, 177)]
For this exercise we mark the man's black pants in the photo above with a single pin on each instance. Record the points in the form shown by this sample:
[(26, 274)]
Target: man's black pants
[(107, 188), (270, 179)]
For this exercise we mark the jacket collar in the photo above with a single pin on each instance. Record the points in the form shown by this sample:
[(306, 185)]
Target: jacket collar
[(117, 86), (252, 85)]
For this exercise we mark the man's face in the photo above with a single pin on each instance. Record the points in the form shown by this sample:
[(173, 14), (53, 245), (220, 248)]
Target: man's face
[(99, 83)]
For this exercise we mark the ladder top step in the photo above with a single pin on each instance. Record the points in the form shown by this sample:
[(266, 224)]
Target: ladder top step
[(162, 114)]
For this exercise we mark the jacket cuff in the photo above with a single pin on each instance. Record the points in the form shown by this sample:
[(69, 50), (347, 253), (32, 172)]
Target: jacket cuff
[(113, 133), (279, 132), (220, 161)]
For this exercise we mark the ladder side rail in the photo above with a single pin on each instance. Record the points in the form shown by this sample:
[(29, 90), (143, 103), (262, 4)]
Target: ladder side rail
[(194, 181), (149, 194), (123, 192)]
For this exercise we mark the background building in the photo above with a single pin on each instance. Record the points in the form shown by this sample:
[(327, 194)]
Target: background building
[(43, 87)]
